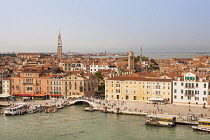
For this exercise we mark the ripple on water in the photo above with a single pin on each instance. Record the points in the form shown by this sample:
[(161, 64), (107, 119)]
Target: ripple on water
[(74, 123)]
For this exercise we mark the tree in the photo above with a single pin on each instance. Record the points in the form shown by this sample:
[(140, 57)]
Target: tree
[(100, 77), (101, 85)]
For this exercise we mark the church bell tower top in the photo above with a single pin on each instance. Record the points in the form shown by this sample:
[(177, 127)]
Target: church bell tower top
[(59, 39)]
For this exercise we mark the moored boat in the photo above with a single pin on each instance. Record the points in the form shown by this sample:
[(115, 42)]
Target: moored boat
[(33, 109), (203, 125), (18, 109), (60, 107), (157, 120)]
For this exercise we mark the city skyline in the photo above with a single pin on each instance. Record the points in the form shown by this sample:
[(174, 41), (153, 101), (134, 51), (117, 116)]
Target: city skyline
[(96, 26)]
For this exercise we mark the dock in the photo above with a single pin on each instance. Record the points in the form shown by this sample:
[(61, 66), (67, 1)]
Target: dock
[(179, 119)]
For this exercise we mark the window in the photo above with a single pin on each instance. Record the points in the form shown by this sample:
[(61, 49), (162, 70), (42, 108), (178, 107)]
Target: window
[(127, 90), (174, 90), (186, 84), (196, 84), (118, 97), (196, 98), (117, 84), (204, 92), (181, 91), (134, 97), (174, 83), (204, 85), (181, 97), (29, 88), (204, 99), (117, 90), (174, 96), (127, 97), (182, 84)]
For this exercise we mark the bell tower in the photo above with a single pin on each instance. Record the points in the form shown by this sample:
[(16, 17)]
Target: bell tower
[(59, 47), (131, 61)]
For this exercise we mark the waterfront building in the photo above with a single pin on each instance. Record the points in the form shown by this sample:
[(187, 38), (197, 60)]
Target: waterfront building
[(31, 82), (140, 88), (6, 86), (78, 84), (191, 88), (59, 47), (56, 85), (4, 74)]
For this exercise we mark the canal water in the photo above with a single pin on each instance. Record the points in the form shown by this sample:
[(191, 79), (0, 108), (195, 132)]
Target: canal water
[(73, 123)]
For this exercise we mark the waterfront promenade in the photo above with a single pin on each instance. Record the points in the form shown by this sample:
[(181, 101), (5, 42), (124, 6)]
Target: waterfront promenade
[(130, 106)]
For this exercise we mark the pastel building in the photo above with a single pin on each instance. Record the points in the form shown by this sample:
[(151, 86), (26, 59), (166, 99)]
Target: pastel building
[(31, 82), (191, 89), (78, 85), (139, 88)]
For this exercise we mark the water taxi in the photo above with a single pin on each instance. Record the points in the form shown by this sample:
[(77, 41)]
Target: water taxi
[(203, 125), (18, 109), (158, 120)]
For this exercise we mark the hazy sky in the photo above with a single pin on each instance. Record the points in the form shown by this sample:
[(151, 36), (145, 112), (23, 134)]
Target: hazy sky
[(99, 25)]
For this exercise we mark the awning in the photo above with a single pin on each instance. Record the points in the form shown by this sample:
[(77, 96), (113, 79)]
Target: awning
[(23, 95), (29, 95), (56, 95), (4, 95), (156, 99)]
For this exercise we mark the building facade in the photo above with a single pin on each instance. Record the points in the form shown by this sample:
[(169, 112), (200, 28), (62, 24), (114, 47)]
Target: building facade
[(138, 88), (191, 89), (30, 82), (78, 85)]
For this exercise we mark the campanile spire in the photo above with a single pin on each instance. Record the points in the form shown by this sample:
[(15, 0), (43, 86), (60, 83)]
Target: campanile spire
[(59, 47)]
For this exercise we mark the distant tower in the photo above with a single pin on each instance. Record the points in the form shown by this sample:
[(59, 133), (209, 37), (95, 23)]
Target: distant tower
[(59, 47), (141, 54), (131, 61)]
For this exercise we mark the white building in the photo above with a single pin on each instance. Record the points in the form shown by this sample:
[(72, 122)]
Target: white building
[(73, 66), (6, 87), (191, 89), (103, 66), (56, 85)]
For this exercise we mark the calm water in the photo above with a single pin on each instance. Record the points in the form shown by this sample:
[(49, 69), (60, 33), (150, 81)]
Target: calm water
[(73, 123), (162, 55)]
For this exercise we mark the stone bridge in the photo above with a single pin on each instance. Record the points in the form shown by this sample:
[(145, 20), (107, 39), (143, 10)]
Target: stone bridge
[(86, 101)]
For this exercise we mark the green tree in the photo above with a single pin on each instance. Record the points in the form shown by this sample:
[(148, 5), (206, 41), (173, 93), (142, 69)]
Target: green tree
[(100, 77), (101, 85)]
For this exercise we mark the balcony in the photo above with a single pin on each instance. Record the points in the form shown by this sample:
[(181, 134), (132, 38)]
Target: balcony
[(28, 83), (189, 94), (189, 87)]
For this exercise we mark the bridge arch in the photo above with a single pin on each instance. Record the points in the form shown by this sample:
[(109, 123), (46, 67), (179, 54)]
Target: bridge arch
[(84, 101)]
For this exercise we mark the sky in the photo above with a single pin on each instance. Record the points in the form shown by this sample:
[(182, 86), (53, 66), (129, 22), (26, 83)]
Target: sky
[(105, 25)]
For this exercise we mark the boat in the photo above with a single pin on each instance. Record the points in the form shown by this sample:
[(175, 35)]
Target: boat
[(33, 109), (18, 109), (60, 107), (65, 103), (203, 125), (159, 120), (51, 109)]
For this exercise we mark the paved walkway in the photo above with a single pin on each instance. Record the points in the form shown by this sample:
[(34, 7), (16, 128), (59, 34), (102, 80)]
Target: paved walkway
[(132, 106), (170, 109)]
